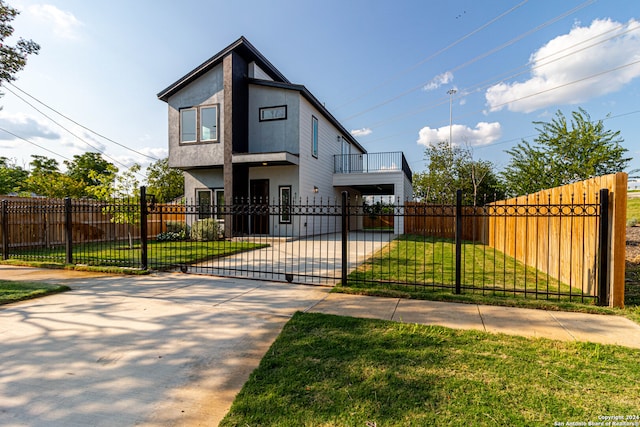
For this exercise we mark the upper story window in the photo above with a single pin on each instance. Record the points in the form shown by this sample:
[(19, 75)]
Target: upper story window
[(209, 123), (199, 124), (188, 125), (314, 136), (273, 113)]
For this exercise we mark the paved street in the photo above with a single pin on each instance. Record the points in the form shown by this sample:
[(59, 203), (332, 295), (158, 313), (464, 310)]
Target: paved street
[(162, 350), (175, 349)]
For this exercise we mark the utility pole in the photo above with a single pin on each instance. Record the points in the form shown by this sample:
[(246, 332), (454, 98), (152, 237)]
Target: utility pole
[(451, 92)]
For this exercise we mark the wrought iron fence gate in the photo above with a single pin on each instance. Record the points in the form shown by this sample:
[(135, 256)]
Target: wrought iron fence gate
[(540, 248)]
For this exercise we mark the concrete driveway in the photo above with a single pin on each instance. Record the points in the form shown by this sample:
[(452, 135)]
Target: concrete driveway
[(159, 350), (313, 260)]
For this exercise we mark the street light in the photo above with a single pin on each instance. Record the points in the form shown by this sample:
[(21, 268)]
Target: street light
[(451, 92)]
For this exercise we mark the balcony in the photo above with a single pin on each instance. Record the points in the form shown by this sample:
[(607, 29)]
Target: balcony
[(371, 163)]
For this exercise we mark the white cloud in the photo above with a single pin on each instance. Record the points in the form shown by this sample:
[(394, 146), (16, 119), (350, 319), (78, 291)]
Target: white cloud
[(361, 132), (557, 68), (25, 127), (63, 24), (484, 133), (439, 80)]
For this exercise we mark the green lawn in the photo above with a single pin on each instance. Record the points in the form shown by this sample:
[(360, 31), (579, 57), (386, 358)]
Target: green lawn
[(11, 291), (160, 254), (633, 209), (415, 264), (339, 371)]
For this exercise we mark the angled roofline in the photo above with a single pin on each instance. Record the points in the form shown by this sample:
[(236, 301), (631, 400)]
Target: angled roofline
[(314, 101), (244, 47)]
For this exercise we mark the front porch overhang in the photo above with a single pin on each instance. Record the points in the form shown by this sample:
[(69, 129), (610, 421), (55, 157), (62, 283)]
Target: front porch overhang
[(372, 183), (266, 159)]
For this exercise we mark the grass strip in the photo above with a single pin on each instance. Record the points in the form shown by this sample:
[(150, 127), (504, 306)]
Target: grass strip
[(416, 264), (338, 371), (163, 255), (13, 291)]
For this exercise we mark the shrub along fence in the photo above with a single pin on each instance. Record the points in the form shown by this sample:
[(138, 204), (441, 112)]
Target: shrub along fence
[(562, 244)]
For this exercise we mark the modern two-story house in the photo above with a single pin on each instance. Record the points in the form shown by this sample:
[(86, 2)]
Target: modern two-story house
[(241, 131)]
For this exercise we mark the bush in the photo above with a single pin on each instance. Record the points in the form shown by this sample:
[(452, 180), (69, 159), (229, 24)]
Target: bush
[(632, 222), (171, 236), (177, 227), (205, 230)]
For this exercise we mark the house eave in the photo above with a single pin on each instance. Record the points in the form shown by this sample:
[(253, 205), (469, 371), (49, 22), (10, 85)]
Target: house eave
[(241, 45), (281, 158), (314, 101)]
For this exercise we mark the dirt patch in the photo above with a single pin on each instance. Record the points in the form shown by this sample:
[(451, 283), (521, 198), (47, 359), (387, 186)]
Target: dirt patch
[(633, 244)]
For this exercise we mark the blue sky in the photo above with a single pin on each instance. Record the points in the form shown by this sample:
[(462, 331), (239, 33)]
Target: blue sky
[(382, 68)]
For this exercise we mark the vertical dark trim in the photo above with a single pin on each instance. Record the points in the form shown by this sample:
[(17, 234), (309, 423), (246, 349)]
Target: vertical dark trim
[(458, 240), (603, 267), (68, 228), (227, 140), (5, 230), (345, 238), (144, 259)]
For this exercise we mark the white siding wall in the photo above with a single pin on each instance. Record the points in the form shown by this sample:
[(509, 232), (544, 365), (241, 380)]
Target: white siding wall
[(280, 176), (256, 72), (318, 172)]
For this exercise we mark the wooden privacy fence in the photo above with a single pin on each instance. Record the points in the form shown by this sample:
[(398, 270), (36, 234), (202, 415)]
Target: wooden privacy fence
[(31, 222), (556, 232), (440, 221)]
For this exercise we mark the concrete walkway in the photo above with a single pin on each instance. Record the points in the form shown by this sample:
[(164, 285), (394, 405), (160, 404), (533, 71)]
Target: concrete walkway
[(174, 349), (313, 260)]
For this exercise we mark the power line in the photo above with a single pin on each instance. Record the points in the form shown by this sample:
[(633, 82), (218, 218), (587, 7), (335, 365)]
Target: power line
[(430, 57), (490, 82), (81, 125), (33, 143), (477, 58), (70, 132)]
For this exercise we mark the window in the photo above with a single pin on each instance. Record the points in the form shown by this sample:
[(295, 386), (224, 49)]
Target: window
[(314, 136), (219, 204), (209, 123), (273, 113), (204, 203), (188, 125), (285, 204), (210, 203), (199, 124)]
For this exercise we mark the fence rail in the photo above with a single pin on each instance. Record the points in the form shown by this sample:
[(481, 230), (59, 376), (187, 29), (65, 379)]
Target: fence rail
[(553, 245)]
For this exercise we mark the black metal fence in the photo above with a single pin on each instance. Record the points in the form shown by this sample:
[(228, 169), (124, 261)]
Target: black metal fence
[(539, 249)]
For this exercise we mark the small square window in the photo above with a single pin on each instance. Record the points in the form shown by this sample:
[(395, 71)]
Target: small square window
[(273, 113)]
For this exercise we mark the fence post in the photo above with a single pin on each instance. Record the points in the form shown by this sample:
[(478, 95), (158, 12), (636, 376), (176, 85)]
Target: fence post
[(5, 229), (68, 228), (458, 240), (345, 238), (603, 267), (143, 228)]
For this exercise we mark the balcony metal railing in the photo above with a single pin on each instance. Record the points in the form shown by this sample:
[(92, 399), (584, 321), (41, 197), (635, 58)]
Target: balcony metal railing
[(372, 163)]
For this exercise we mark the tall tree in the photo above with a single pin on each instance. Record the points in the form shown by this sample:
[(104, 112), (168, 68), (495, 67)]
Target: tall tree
[(451, 168), (564, 152), (46, 180), (164, 182), (12, 177), (12, 58), (126, 190), (86, 167)]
